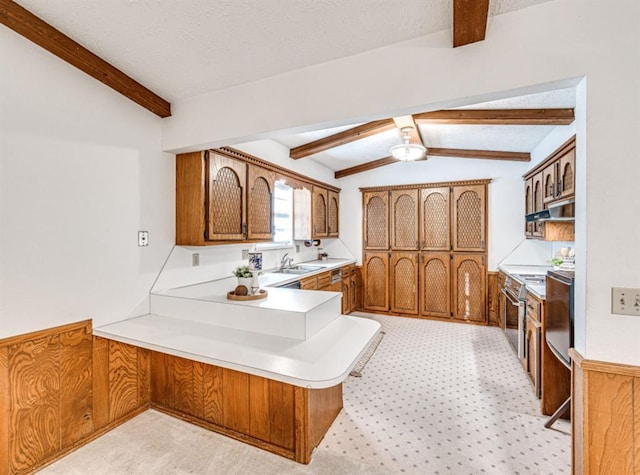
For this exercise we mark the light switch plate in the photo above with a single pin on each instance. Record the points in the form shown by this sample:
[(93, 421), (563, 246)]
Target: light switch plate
[(195, 259), (143, 238), (245, 253), (625, 301)]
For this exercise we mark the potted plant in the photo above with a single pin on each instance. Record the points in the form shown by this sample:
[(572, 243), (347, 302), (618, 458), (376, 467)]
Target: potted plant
[(556, 262), (324, 256), (244, 275)]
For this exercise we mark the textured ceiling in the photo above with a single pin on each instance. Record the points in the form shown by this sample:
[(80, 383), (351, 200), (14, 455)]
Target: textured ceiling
[(185, 48)]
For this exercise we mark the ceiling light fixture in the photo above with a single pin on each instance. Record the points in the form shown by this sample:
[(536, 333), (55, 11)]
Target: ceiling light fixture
[(407, 151)]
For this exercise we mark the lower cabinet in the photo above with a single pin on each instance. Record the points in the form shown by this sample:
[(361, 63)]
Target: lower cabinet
[(404, 282), (375, 281), (428, 284)]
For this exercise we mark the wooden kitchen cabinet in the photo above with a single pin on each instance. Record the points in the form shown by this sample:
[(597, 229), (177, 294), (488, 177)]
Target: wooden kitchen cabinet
[(533, 339), (528, 205), (375, 218), (435, 284), (260, 209), (375, 276), (333, 213), (404, 282), (435, 219), (566, 174), (549, 182), (403, 219), (538, 203), (469, 287), (468, 226), (227, 194), (319, 209)]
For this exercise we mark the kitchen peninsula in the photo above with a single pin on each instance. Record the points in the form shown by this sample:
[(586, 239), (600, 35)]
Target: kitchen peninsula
[(267, 372)]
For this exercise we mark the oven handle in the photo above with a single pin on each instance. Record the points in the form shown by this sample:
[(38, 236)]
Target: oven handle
[(510, 299)]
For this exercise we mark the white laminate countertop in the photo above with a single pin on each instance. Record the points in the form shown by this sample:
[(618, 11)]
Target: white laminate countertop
[(322, 361), (524, 269)]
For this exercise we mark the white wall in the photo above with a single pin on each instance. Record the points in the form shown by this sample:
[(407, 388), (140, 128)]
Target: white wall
[(81, 171), (524, 50)]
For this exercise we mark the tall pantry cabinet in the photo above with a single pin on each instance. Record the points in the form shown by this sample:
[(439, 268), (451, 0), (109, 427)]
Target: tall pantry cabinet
[(425, 250)]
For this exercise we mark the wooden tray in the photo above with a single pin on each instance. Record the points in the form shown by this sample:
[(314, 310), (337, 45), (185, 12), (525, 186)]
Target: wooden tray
[(262, 294)]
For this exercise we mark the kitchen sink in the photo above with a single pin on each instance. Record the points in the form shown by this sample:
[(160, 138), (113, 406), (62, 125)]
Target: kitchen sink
[(299, 269)]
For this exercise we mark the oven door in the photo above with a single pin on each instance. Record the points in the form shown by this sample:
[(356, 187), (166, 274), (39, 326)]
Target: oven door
[(513, 313)]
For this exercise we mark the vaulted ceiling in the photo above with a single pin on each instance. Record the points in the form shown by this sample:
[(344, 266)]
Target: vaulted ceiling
[(155, 51)]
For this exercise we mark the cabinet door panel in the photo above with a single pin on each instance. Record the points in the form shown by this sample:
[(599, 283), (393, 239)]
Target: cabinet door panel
[(319, 210), (260, 212), (435, 221), (226, 219), (538, 202), (549, 182), (375, 220), (404, 282), (333, 213), (528, 205), (566, 171), (375, 270), (469, 287), (404, 219), (435, 284), (469, 218)]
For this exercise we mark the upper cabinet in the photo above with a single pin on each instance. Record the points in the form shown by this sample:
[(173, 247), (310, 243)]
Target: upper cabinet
[(404, 219), (224, 196), (550, 182), (375, 218), (469, 218), (434, 222)]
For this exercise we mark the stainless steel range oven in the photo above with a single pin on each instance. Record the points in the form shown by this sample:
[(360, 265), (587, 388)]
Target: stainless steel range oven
[(512, 308), (512, 313)]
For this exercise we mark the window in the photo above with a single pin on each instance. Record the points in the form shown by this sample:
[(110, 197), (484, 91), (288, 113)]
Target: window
[(282, 218)]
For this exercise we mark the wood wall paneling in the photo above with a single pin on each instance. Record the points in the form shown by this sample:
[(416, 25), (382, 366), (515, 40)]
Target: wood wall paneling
[(123, 379), (492, 296), (100, 382), (5, 405)]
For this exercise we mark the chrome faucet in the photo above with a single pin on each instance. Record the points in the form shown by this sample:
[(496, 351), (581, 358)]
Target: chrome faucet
[(286, 261)]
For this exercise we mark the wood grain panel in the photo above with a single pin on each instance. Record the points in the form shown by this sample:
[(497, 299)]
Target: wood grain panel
[(5, 404), (636, 424), (492, 297), (235, 403), (302, 452), (259, 408), (577, 417), (123, 380), (100, 382), (213, 408), (324, 405), (35, 395), (469, 21), (198, 389), (610, 438), (281, 404), (144, 376), (76, 377), (181, 384), (190, 199)]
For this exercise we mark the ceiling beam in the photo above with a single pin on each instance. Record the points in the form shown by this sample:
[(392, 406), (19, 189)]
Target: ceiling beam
[(469, 21), (439, 152), (342, 138), (481, 154), (497, 117), (25, 23)]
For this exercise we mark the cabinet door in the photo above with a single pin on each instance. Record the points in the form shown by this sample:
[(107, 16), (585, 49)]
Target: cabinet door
[(435, 284), (549, 182), (435, 222), (469, 218), (260, 212), (528, 205), (532, 353), (566, 174), (469, 287), (226, 208), (375, 270), (319, 210), (404, 219), (353, 293), (333, 213), (376, 220), (346, 296), (538, 202), (404, 282)]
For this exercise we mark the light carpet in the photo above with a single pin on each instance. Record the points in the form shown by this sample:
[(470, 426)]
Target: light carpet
[(436, 398)]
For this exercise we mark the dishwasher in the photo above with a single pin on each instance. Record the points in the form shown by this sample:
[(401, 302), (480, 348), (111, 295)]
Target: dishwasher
[(291, 285)]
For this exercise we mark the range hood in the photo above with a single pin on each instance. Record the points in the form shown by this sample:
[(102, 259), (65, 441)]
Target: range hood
[(558, 211)]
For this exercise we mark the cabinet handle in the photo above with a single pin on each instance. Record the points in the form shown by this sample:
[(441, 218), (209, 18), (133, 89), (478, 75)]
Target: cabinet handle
[(416, 244), (244, 229), (482, 244)]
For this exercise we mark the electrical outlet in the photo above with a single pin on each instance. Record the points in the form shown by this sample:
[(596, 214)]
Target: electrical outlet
[(245, 253), (143, 238), (195, 259), (625, 301)]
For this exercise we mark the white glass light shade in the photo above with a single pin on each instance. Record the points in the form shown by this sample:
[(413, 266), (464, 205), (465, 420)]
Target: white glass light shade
[(407, 151)]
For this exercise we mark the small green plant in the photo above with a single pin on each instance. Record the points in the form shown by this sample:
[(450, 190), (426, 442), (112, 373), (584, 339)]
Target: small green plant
[(324, 254), (242, 271), (556, 261)]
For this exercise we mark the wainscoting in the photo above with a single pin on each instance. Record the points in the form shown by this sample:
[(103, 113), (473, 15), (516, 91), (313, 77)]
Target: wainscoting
[(605, 414), (60, 388)]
